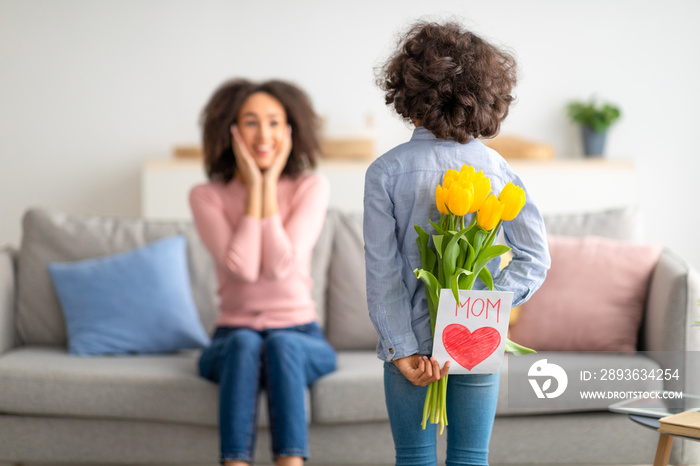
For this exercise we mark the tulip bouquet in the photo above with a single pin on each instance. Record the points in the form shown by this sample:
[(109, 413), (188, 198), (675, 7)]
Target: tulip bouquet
[(459, 252)]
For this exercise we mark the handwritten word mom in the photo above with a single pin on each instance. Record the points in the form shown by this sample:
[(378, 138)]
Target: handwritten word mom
[(479, 307)]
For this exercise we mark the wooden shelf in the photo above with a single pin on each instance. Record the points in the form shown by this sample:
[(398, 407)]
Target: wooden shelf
[(557, 186)]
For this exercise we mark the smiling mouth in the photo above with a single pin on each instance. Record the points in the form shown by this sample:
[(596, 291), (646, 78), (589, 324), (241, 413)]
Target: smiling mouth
[(263, 151)]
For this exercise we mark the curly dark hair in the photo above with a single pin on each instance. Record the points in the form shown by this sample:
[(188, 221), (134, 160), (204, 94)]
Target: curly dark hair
[(452, 81), (222, 111)]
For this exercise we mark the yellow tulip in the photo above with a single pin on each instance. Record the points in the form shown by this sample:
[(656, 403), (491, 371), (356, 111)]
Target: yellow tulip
[(450, 176), (440, 199), (490, 213), (459, 199), (482, 189), (513, 199), (466, 174)]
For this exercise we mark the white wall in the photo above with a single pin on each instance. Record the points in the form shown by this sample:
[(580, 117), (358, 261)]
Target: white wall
[(89, 90)]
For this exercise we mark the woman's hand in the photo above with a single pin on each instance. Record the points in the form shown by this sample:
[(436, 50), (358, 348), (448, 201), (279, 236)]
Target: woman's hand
[(249, 174), (273, 173), (245, 163), (420, 370)]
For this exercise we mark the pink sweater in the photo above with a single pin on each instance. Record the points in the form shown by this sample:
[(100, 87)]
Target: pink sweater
[(263, 265)]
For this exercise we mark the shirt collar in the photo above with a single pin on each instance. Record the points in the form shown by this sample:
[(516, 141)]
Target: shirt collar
[(422, 134)]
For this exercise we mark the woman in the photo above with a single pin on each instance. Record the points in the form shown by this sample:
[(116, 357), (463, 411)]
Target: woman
[(259, 217)]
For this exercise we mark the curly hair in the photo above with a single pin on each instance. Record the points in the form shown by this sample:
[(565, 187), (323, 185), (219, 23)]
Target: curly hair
[(222, 111), (452, 81)]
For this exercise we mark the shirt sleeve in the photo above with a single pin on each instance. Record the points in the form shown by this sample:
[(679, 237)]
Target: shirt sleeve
[(527, 237), (388, 299), (283, 242), (237, 248)]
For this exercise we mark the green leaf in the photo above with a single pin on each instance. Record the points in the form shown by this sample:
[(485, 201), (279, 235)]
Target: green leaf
[(464, 282), (471, 255), (479, 237), (494, 251), (438, 228), (455, 281), (450, 255), (463, 253), (485, 276), (427, 255), (598, 116), (487, 254), (432, 290), (437, 241), (516, 349)]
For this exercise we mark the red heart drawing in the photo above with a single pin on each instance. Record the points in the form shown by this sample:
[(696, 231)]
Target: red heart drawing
[(469, 348)]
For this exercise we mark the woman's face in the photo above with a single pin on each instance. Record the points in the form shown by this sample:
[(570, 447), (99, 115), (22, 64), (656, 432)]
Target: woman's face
[(262, 124)]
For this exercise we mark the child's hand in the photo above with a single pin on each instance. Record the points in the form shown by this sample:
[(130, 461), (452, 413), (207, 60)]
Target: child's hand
[(420, 370)]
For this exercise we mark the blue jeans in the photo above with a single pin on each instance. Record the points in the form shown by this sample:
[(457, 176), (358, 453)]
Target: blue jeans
[(471, 408), (283, 361)]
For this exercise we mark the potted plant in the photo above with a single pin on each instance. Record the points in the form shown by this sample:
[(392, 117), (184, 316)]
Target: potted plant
[(595, 119)]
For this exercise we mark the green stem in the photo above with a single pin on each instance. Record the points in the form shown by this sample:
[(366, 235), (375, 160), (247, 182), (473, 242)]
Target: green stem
[(433, 402), (443, 397), (492, 234), (432, 313), (478, 246), (440, 407), (426, 407)]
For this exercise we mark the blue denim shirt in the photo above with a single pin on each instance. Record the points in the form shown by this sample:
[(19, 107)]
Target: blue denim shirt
[(399, 193)]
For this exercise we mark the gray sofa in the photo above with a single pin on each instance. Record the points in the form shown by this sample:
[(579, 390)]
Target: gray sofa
[(55, 407)]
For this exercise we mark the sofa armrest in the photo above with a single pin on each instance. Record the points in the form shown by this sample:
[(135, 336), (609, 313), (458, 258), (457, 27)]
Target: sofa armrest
[(8, 298), (672, 307)]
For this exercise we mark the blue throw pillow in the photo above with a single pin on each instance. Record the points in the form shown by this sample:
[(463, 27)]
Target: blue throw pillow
[(138, 301)]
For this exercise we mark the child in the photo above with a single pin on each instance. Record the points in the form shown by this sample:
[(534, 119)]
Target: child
[(454, 87)]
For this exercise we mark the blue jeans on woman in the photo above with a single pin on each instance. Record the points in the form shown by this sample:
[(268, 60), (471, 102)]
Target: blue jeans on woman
[(471, 408), (284, 361)]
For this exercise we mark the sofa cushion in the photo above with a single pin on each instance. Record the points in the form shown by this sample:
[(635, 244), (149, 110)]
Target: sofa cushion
[(58, 237), (623, 223), (132, 302), (592, 299), (320, 261), (47, 381), (353, 393), (348, 326)]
